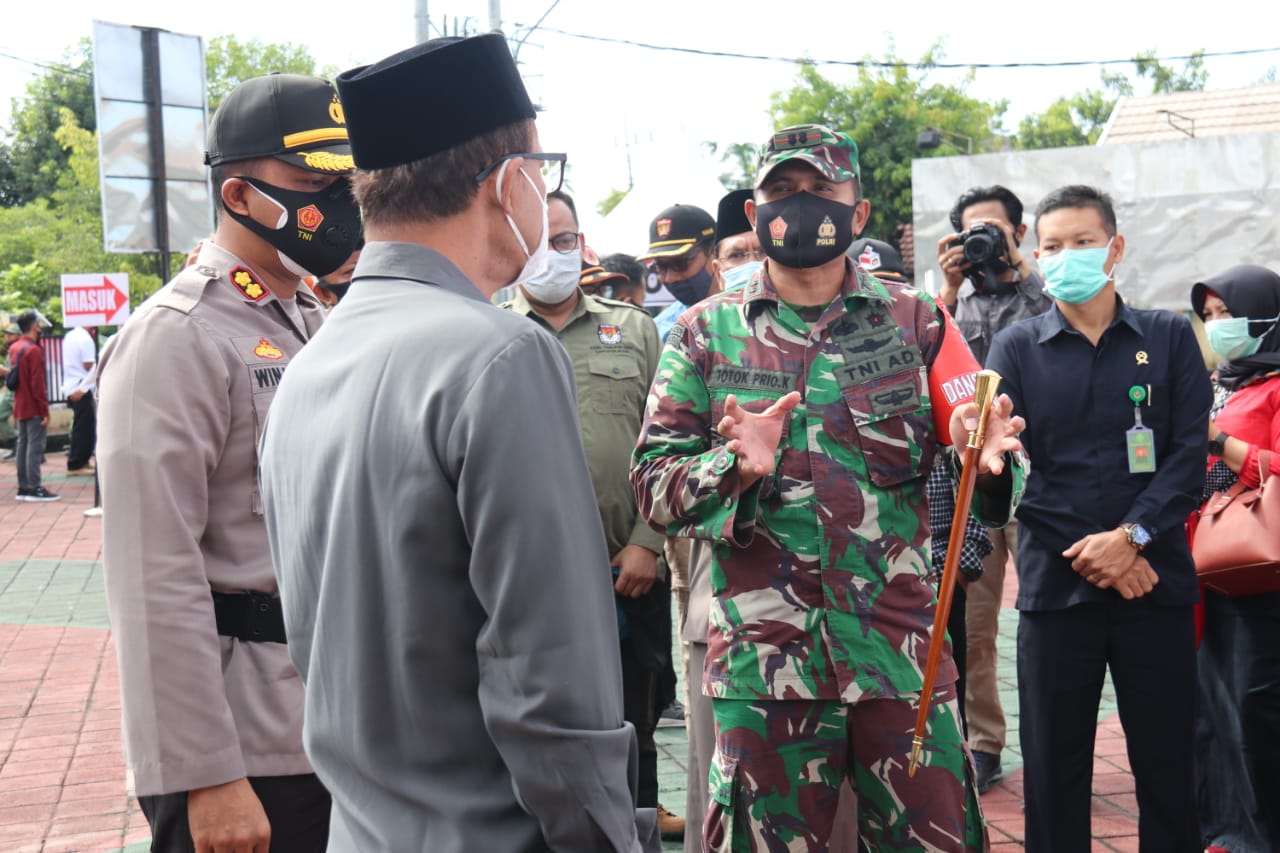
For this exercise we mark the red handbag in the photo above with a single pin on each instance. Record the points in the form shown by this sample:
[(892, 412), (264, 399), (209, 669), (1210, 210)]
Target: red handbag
[(1237, 543)]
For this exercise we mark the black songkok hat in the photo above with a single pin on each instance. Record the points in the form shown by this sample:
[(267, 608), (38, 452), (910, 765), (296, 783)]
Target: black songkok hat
[(430, 98), (731, 216)]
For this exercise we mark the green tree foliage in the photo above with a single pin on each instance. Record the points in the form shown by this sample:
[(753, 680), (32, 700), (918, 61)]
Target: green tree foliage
[(884, 110), (43, 239), (740, 159), (31, 159), (1192, 77), (606, 205), (229, 62), (1079, 119)]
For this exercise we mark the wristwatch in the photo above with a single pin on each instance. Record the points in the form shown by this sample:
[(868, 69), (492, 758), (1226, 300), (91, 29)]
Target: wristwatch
[(1218, 444), (1137, 535)]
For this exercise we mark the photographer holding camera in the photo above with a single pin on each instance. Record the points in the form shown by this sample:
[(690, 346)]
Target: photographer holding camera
[(987, 285)]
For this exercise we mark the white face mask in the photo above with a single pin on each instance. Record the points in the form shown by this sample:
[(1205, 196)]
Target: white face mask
[(535, 261), (560, 279)]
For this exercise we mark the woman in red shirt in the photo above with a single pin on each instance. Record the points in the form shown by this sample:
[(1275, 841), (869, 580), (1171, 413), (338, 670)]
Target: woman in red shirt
[(1238, 750)]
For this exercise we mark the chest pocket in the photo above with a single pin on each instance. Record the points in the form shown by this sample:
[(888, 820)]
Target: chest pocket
[(614, 385), (895, 427), (973, 330)]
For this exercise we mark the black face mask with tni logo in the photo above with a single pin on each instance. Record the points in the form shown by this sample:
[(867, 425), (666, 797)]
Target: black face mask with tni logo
[(803, 230), (319, 230)]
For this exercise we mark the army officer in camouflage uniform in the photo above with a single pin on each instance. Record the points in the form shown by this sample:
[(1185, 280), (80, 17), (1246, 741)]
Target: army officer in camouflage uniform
[(791, 423)]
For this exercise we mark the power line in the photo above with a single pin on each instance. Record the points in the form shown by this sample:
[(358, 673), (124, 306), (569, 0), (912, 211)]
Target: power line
[(881, 63), (48, 66)]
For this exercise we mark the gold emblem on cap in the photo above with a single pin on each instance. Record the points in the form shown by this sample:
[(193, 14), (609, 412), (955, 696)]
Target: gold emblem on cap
[(335, 111), (327, 161)]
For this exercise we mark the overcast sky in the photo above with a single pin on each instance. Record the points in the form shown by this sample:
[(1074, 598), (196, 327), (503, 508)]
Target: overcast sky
[(607, 103)]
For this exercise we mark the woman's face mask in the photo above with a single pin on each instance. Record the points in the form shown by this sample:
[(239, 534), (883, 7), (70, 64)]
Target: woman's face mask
[(1230, 338)]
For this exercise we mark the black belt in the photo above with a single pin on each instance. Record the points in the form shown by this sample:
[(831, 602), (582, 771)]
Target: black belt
[(252, 617)]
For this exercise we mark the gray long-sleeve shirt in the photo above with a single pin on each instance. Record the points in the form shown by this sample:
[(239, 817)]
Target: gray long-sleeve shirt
[(439, 552)]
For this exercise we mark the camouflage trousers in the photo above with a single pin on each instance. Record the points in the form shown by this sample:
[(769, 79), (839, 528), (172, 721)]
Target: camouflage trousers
[(779, 764)]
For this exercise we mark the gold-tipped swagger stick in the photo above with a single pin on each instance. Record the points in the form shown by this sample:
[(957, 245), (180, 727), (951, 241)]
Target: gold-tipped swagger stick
[(984, 394)]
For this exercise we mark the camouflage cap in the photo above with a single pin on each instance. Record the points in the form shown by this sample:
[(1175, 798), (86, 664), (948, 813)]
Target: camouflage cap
[(832, 153)]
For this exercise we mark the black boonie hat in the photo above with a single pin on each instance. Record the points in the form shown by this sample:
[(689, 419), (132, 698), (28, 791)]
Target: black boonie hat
[(295, 118), (430, 98), (731, 216), (878, 258), (678, 229)]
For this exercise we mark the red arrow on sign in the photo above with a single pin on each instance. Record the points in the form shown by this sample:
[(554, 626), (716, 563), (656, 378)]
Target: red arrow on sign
[(104, 299)]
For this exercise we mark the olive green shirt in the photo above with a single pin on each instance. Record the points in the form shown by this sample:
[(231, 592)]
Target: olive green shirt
[(614, 347)]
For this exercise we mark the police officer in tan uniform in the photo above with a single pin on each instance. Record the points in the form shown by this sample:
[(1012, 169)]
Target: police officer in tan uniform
[(212, 706)]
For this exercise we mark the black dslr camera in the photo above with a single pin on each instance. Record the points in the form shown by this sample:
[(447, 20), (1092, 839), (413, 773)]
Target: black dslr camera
[(983, 243)]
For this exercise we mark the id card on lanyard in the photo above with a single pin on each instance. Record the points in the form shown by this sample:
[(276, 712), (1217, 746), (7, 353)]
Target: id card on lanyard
[(1140, 440)]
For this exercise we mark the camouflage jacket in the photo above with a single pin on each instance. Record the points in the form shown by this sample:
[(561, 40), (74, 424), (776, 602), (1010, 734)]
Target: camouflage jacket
[(821, 571)]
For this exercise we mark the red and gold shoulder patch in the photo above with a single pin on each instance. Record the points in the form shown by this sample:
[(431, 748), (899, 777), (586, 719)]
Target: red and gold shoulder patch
[(266, 349), (247, 283)]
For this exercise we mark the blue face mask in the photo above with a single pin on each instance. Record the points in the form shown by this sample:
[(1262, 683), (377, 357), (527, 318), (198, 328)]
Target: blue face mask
[(693, 289), (1076, 275), (1230, 337), (739, 275)]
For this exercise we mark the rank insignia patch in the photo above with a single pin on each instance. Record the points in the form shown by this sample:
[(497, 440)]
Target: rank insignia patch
[(248, 284), (609, 333), (309, 218), (266, 349)]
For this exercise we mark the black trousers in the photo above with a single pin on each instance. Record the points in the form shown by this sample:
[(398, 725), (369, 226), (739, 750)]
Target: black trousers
[(1063, 656), (84, 432), (646, 655), (297, 808)]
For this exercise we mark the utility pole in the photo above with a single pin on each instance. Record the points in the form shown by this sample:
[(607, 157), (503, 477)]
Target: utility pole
[(421, 22), (495, 16)]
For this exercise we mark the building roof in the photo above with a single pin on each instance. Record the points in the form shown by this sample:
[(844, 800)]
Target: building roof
[(1179, 115)]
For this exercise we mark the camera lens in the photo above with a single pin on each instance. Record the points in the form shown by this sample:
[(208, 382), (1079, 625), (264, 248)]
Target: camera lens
[(983, 244)]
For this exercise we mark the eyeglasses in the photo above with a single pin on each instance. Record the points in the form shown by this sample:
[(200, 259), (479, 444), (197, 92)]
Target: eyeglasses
[(737, 259), (564, 242), (552, 167), (675, 266), (605, 290)]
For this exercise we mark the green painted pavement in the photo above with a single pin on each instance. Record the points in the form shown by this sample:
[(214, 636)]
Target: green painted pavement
[(53, 592)]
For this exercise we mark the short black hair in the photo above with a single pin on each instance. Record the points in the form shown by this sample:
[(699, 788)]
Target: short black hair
[(27, 319), (561, 195), (976, 195), (626, 264), (1076, 196)]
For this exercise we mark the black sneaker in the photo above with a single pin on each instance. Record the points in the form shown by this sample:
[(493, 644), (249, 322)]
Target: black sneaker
[(42, 495), (989, 770), (23, 495)]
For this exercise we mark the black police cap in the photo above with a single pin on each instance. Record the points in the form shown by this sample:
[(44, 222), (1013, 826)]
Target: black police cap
[(292, 117)]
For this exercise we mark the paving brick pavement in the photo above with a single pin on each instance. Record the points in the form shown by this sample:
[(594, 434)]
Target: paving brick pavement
[(61, 770)]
